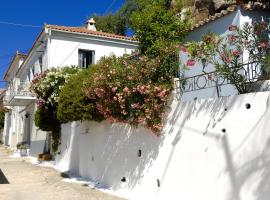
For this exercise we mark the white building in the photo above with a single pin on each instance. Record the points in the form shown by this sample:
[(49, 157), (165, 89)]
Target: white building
[(56, 46)]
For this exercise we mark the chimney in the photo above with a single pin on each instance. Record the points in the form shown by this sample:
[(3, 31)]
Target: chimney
[(91, 24)]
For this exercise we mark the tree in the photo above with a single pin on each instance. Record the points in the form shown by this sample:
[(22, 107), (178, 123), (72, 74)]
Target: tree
[(111, 23), (156, 27), (120, 21)]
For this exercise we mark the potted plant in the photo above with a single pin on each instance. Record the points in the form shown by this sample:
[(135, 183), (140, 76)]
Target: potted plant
[(23, 149)]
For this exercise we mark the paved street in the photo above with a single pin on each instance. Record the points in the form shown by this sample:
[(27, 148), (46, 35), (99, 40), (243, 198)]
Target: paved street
[(21, 180)]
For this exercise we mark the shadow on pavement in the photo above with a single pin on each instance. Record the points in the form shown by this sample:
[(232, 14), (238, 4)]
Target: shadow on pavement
[(3, 179)]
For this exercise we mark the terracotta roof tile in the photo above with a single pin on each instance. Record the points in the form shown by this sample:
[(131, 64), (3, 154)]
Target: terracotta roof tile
[(230, 9), (90, 32), (222, 13)]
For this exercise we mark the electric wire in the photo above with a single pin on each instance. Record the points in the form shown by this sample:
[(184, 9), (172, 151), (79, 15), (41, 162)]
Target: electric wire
[(17, 24), (110, 6)]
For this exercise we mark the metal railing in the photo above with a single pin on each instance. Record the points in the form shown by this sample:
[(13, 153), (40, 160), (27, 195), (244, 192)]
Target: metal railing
[(21, 90), (213, 80)]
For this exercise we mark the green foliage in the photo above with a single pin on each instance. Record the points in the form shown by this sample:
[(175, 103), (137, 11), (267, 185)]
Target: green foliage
[(156, 27), (121, 20), (75, 106), (111, 23), (178, 5), (46, 119), (22, 146)]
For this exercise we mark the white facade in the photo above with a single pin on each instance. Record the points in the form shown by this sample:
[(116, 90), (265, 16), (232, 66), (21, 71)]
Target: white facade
[(215, 149), (52, 48), (193, 88)]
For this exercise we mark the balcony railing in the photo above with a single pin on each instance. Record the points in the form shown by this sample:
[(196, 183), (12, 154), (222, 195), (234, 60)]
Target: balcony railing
[(20, 96)]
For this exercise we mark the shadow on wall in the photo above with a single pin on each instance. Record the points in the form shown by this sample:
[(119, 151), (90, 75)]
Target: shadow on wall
[(120, 157), (254, 172), (247, 167), (133, 152)]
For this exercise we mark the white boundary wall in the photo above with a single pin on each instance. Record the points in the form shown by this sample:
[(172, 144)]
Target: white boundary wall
[(193, 159)]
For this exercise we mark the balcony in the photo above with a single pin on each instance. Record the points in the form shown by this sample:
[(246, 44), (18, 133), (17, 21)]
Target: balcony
[(20, 97)]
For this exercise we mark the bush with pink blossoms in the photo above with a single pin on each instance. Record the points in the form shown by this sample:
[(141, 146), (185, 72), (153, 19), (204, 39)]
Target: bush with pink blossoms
[(130, 89), (226, 53)]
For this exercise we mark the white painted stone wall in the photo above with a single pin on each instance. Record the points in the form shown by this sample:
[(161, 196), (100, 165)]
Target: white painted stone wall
[(193, 158)]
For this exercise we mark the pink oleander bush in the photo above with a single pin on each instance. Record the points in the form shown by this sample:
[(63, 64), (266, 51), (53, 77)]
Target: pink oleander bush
[(130, 89), (226, 53)]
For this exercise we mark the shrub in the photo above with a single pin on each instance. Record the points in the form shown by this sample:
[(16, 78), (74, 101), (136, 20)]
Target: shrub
[(47, 86), (73, 102), (129, 89), (155, 27)]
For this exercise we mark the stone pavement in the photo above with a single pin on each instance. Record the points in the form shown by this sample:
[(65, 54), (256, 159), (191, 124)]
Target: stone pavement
[(21, 180)]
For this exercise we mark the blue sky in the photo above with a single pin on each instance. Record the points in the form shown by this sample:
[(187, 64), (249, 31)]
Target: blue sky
[(36, 12)]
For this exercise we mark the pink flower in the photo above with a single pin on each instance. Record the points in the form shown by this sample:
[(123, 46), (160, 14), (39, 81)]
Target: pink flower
[(183, 49), (136, 105), (162, 94), (225, 58), (100, 107), (114, 89), (191, 62), (231, 38), (231, 28), (124, 112), (158, 89), (115, 98), (263, 45), (209, 76), (236, 53), (126, 90), (99, 92)]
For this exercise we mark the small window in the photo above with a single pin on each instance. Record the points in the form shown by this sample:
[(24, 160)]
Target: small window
[(33, 71), (40, 61), (29, 74), (86, 58)]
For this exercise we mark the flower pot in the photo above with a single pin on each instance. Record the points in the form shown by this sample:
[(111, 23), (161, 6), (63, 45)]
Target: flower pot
[(23, 152)]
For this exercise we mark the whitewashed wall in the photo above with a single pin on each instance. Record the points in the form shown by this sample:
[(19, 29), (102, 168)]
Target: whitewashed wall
[(193, 158), (64, 48)]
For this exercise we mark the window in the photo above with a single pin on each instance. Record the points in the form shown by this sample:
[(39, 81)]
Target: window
[(86, 58), (29, 74), (40, 63), (33, 71)]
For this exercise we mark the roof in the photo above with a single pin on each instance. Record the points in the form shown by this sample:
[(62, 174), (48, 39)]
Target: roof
[(90, 32), (248, 7), (15, 57), (2, 90)]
